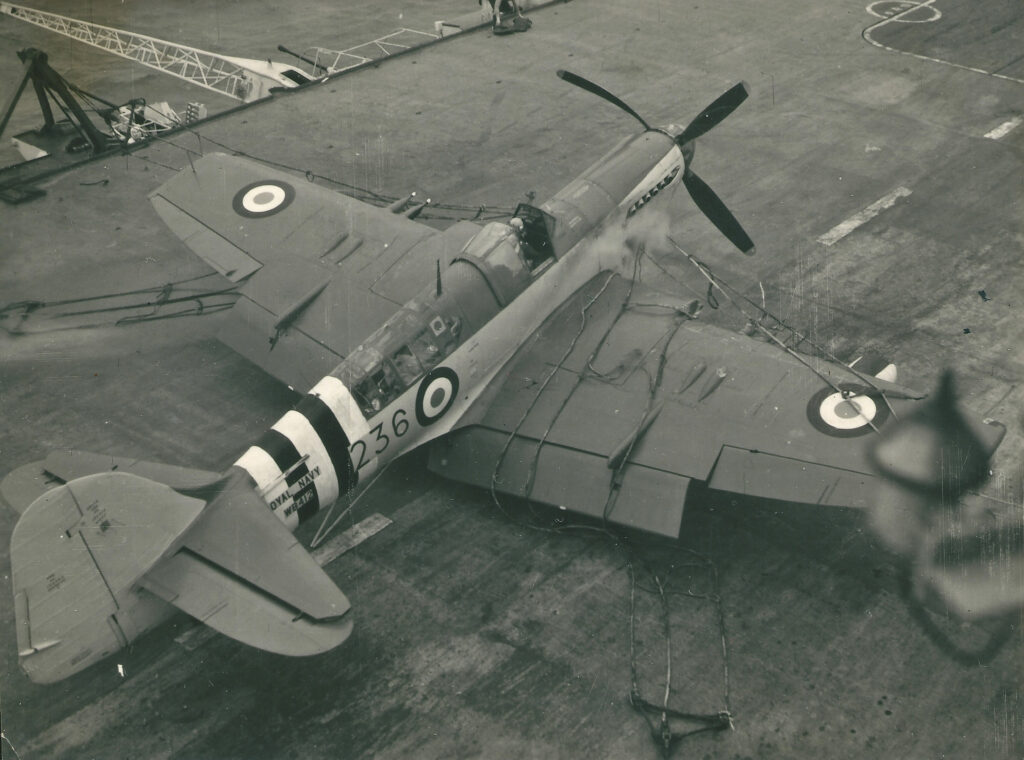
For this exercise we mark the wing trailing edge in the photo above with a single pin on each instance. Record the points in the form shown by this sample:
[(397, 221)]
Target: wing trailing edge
[(565, 477), (241, 610)]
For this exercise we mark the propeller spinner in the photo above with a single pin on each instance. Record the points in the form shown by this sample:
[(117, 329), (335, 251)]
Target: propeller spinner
[(703, 196)]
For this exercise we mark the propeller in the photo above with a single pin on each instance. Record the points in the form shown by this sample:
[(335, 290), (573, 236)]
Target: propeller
[(710, 117), (601, 92), (715, 210), (703, 196)]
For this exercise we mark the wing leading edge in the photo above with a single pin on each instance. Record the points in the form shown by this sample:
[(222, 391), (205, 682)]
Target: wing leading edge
[(729, 412)]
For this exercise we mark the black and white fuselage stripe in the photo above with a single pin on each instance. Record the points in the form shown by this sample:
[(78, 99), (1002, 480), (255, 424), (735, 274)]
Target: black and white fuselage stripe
[(303, 463)]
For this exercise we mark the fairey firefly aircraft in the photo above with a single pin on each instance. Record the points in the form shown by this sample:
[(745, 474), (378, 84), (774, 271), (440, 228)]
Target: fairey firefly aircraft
[(523, 353)]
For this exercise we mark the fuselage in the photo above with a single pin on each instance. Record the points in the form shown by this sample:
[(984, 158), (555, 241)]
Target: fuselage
[(410, 381), (413, 378)]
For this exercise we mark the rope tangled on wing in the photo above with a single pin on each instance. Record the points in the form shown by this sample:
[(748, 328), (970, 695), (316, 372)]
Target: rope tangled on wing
[(659, 717)]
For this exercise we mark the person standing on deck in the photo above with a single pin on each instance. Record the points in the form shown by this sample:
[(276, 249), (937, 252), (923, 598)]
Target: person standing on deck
[(514, 20)]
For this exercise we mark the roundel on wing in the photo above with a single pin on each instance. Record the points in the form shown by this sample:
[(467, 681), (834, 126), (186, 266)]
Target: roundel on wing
[(436, 395), (848, 412), (263, 198)]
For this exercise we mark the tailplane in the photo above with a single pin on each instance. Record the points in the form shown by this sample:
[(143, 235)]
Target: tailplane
[(76, 554), (99, 560)]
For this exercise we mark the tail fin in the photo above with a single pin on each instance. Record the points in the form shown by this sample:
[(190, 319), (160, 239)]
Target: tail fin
[(76, 553), (96, 561)]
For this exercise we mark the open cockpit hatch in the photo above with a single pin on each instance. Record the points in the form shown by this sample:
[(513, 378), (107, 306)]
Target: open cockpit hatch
[(538, 231)]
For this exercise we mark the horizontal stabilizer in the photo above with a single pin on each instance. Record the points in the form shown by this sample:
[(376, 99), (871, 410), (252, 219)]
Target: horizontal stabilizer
[(27, 483), (76, 554), (241, 611), (239, 535), (68, 464)]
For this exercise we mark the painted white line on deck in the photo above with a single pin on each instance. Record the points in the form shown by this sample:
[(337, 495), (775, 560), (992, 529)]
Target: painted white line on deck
[(195, 637), (1005, 128), (844, 228), (866, 34), (352, 537)]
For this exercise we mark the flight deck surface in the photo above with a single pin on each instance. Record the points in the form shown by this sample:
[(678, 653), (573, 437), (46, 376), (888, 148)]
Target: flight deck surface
[(882, 186)]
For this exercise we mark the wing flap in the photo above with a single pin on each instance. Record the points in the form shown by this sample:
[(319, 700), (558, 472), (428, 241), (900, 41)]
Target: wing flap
[(566, 478), (294, 358), (405, 278), (340, 316), (773, 477), (237, 609)]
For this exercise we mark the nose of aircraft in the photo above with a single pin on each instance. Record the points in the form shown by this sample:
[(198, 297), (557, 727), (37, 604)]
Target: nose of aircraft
[(672, 130), (703, 196)]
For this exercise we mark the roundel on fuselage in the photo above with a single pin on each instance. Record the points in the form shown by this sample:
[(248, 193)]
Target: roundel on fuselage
[(263, 198), (848, 412), (436, 395)]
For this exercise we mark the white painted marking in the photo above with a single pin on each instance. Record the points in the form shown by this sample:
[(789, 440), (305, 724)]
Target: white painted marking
[(339, 400), (844, 228), (300, 432), (334, 393), (261, 466), (1005, 128), (199, 634), (899, 11), (350, 538), (866, 34), (847, 413), (262, 199)]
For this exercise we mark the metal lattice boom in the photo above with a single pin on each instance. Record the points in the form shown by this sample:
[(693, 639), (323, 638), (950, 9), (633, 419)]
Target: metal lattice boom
[(242, 78), (398, 41)]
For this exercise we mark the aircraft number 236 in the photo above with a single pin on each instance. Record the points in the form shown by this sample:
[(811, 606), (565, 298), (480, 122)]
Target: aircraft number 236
[(399, 427)]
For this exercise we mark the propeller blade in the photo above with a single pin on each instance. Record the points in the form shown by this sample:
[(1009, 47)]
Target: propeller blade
[(707, 119), (720, 216), (601, 92)]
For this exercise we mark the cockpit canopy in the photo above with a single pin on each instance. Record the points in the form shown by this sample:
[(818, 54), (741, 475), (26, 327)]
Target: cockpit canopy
[(411, 344), (493, 268)]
